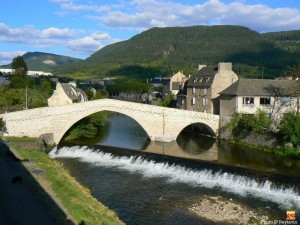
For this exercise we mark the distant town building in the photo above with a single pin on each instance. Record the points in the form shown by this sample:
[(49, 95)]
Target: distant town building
[(202, 88), (174, 83), (67, 93), (29, 73), (249, 95)]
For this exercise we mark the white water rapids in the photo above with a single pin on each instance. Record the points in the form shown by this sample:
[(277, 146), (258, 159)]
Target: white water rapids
[(241, 185)]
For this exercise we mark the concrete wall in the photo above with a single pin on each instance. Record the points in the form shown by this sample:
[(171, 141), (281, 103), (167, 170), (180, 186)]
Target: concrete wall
[(160, 123), (228, 105)]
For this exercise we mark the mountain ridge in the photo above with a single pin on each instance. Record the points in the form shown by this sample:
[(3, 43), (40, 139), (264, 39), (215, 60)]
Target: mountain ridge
[(46, 62)]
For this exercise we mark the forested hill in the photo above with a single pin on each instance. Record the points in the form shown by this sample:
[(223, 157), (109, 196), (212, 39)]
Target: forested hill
[(41, 61), (286, 40), (165, 50)]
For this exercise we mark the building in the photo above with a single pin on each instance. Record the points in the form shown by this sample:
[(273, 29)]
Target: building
[(29, 73), (203, 88), (174, 83), (66, 93), (156, 81), (248, 95)]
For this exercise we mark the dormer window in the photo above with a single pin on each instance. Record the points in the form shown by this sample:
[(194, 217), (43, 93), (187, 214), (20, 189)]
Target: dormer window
[(206, 79)]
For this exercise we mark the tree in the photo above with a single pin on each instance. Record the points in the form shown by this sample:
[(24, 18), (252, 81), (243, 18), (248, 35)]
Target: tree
[(46, 86), (294, 73), (289, 129), (18, 82), (244, 124), (19, 66)]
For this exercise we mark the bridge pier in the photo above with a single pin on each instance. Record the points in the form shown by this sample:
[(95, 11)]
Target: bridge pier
[(160, 123), (165, 138)]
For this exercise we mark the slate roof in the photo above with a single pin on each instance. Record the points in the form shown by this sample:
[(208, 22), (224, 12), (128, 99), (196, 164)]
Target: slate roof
[(203, 77), (256, 87), (73, 92)]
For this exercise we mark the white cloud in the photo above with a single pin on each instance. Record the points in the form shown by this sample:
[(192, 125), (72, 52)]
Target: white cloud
[(90, 44), (54, 32), (144, 14), (262, 17), (32, 35), (6, 57), (73, 7)]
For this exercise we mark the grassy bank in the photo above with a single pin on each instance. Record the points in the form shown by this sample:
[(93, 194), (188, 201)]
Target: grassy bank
[(288, 152), (76, 199)]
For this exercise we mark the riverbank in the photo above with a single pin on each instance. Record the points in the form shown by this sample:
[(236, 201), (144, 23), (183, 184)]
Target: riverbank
[(227, 211), (77, 203), (284, 151)]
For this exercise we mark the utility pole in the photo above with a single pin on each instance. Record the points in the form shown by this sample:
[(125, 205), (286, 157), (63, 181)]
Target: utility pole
[(26, 107)]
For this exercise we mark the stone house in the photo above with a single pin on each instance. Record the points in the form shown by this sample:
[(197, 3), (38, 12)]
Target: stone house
[(66, 93), (174, 83), (203, 88), (248, 95)]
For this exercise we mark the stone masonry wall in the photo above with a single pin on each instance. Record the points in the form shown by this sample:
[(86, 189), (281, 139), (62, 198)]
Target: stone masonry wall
[(160, 123)]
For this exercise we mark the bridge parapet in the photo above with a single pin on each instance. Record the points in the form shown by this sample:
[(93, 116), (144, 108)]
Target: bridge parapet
[(160, 123)]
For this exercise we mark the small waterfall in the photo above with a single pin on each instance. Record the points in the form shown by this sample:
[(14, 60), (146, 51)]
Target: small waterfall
[(241, 185)]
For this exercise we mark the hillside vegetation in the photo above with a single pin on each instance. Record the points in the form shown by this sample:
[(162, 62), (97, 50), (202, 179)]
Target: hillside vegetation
[(161, 51), (286, 40), (40, 61)]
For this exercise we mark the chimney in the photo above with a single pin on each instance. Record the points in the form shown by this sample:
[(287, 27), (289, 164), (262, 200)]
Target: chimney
[(224, 67)]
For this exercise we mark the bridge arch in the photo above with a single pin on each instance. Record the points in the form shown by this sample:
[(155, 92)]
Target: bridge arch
[(70, 123), (160, 123), (199, 127)]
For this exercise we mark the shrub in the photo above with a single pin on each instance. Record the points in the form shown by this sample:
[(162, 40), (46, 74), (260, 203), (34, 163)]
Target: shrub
[(243, 124), (289, 129)]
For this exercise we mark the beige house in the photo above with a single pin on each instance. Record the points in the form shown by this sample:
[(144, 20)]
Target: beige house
[(174, 83), (248, 95), (66, 93), (203, 88)]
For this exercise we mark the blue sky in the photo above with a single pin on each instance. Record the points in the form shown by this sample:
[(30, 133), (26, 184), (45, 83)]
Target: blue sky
[(79, 28)]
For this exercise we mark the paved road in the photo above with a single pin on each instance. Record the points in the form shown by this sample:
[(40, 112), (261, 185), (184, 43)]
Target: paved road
[(23, 203)]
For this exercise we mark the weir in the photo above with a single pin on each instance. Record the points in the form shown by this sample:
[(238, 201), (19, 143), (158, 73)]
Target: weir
[(210, 178)]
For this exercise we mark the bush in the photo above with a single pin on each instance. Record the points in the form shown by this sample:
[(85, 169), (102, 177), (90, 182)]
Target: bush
[(87, 127), (289, 129), (243, 124)]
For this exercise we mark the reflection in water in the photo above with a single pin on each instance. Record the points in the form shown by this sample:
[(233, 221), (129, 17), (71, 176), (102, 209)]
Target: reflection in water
[(124, 132), (154, 189), (194, 143)]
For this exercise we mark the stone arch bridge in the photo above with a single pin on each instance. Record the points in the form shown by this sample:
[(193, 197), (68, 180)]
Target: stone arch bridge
[(160, 123)]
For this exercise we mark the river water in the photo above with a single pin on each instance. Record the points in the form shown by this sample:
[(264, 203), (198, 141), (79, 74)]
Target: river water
[(154, 183)]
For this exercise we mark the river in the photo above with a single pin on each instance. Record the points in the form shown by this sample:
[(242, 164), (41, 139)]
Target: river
[(154, 183)]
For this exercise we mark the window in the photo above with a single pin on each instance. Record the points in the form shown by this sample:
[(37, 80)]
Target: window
[(285, 101), (204, 101), (265, 101), (205, 91), (193, 101), (194, 90), (206, 79), (248, 101)]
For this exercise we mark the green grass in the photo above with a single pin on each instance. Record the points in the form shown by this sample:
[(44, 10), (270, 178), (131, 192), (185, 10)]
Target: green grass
[(76, 199), (289, 152)]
